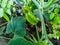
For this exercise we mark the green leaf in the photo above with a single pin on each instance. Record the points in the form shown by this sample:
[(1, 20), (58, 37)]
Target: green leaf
[(57, 33), (17, 26), (56, 19), (32, 5), (4, 3), (10, 3), (49, 4), (51, 35), (36, 12), (19, 41), (0, 1), (42, 43), (31, 18), (52, 16), (56, 11), (46, 15), (6, 17), (20, 2), (26, 9), (1, 12), (8, 11)]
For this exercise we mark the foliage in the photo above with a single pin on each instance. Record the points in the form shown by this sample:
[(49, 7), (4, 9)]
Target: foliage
[(34, 11), (30, 17), (5, 8), (20, 41), (16, 26)]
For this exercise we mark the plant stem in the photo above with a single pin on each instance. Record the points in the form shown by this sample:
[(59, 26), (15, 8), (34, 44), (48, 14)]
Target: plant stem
[(4, 37), (44, 33), (40, 9), (37, 33)]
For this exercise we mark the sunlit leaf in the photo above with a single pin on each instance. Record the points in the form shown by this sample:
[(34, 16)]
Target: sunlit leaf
[(31, 18), (56, 19), (8, 11), (52, 15), (56, 11), (1, 12), (4, 3), (6, 17), (10, 3)]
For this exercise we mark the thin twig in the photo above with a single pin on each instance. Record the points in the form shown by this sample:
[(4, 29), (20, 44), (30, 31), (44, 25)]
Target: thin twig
[(5, 37), (3, 24)]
